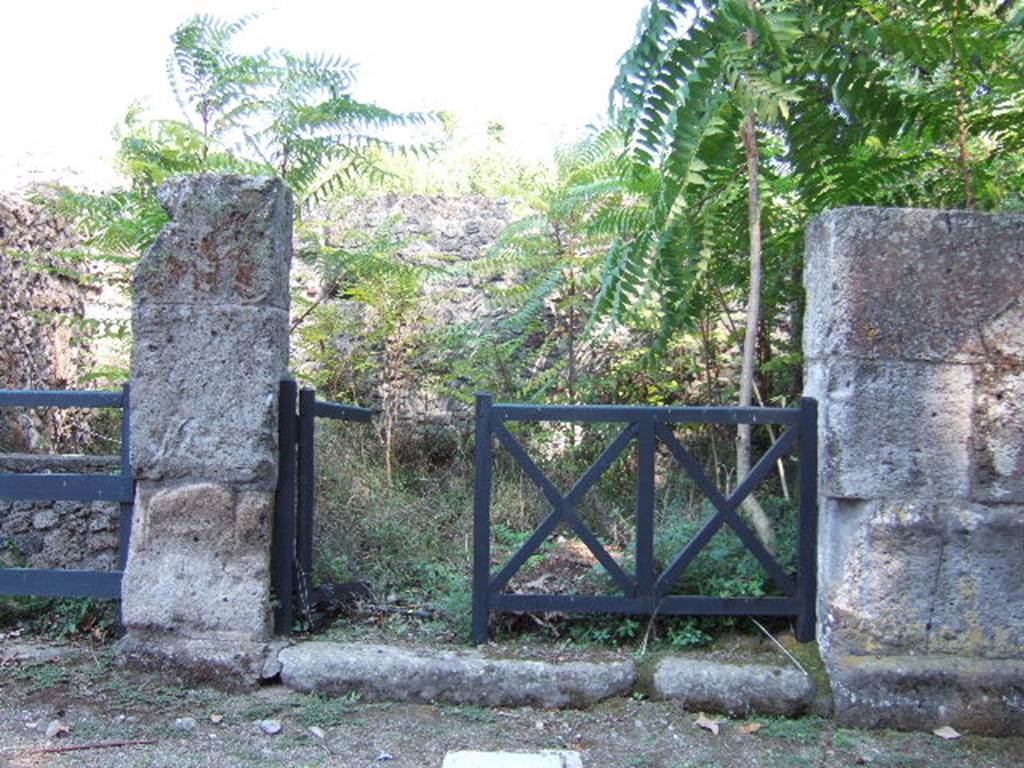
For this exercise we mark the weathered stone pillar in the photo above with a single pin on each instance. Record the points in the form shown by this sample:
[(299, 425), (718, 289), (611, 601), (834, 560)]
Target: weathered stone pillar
[(914, 346), (210, 324)]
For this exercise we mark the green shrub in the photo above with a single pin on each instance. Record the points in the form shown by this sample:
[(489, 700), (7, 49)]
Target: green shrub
[(63, 618)]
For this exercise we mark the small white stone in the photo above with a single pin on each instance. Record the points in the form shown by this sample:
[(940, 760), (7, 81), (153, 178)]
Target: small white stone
[(270, 727), (55, 729), (548, 759)]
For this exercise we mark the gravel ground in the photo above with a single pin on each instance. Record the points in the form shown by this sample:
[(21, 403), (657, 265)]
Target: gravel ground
[(80, 688)]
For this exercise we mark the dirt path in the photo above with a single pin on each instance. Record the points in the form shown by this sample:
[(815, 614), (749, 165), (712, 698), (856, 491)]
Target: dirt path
[(97, 702)]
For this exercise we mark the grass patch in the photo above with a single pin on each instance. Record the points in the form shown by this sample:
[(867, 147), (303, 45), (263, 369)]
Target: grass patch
[(61, 617), (473, 714), (41, 677), (804, 730), (406, 530), (322, 711)]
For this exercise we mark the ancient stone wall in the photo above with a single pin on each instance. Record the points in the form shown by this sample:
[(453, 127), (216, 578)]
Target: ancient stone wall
[(914, 347), (450, 237), (42, 342), (59, 534), (433, 232), (210, 348)]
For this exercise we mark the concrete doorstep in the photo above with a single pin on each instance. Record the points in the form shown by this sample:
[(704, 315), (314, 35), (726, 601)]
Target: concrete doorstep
[(387, 673)]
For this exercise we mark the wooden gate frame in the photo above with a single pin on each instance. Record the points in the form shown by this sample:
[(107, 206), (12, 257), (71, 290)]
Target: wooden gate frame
[(646, 592), (120, 488)]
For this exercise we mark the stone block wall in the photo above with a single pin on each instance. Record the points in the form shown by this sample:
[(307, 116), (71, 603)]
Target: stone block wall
[(210, 348), (915, 350), (42, 345), (59, 534), (443, 233), (430, 231)]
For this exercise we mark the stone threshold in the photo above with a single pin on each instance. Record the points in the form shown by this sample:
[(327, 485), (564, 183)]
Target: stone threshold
[(393, 673)]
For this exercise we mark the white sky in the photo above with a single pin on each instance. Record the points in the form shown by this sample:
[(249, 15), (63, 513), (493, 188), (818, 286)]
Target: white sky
[(70, 68)]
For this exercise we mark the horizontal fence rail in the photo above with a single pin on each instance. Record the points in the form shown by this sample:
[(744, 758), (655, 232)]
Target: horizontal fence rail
[(645, 591), (637, 413), (294, 516), (119, 488)]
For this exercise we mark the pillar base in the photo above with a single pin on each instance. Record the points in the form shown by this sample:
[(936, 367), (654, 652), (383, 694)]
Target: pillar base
[(921, 693), (227, 663)]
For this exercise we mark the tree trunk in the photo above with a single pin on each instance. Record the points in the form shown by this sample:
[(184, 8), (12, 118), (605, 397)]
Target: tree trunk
[(961, 119), (758, 518)]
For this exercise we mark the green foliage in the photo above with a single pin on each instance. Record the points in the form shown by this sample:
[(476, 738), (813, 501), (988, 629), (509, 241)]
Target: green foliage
[(281, 113), (59, 618), (366, 295), (544, 272), (687, 633), (469, 161), (318, 710), (607, 630), (41, 677), (268, 113), (404, 534), (724, 567), (856, 104)]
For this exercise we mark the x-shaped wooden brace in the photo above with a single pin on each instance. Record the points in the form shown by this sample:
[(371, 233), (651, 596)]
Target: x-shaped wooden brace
[(726, 510), (563, 508)]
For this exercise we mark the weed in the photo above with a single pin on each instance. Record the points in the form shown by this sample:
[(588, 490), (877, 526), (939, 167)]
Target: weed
[(846, 740), (474, 714), (322, 711), (41, 677), (686, 633), (63, 618), (804, 730), (261, 711), (606, 630), (163, 699), (406, 530), (97, 670)]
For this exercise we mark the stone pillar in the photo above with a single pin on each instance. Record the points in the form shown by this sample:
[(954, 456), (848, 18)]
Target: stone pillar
[(914, 347), (210, 325)]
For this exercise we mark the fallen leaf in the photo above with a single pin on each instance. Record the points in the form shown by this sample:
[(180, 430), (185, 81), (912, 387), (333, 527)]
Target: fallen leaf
[(751, 727), (216, 719), (945, 732), (705, 722), (318, 732)]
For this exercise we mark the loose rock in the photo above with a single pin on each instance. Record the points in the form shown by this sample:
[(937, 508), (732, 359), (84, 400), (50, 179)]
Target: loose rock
[(56, 729), (270, 727)]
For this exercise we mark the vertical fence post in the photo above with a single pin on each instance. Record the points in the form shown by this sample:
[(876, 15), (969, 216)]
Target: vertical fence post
[(645, 511), (807, 542), (482, 518), (282, 567), (306, 480), (124, 530)]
